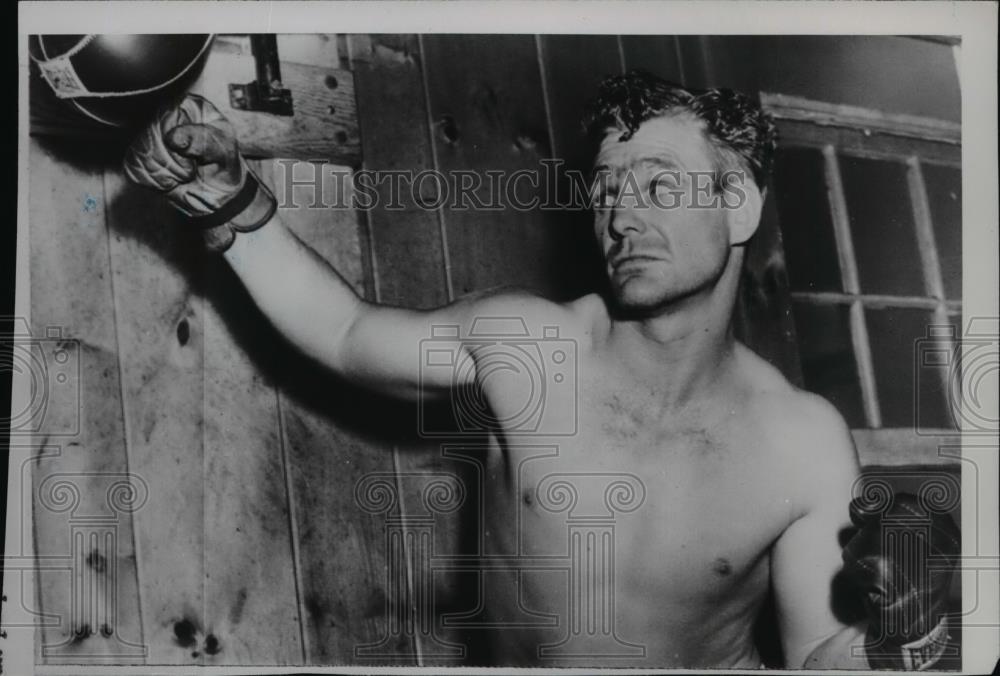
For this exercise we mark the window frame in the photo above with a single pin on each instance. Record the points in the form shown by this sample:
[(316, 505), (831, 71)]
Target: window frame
[(842, 130)]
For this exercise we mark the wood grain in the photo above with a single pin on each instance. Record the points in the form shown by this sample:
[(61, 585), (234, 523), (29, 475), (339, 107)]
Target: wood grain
[(157, 269), (84, 544), (251, 609), (659, 54), (331, 435), (488, 113), (406, 244), (325, 123), (574, 66), (411, 271)]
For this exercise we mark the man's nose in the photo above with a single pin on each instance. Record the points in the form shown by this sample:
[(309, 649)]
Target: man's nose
[(623, 221)]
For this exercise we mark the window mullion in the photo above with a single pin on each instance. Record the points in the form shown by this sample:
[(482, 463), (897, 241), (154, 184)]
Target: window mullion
[(875, 300), (927, 244), (925, 230), (849, 276)]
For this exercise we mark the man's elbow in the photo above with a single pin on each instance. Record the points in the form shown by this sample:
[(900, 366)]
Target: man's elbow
[(341, 348)]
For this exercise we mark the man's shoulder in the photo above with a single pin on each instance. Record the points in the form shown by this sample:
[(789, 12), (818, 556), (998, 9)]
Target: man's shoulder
[(577, 319), (807, 432), (791, 408)]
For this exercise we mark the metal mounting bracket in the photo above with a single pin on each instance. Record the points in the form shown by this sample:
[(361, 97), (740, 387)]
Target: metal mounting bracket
[(265, 94)]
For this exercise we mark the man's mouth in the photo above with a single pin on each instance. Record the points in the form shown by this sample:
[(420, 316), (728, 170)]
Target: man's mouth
[(633, 260)]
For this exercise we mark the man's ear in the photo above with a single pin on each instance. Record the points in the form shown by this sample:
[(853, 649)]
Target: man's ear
[(743, 202)]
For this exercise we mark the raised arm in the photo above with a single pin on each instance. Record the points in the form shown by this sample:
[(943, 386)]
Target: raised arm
[(373, 345), (190, 153)]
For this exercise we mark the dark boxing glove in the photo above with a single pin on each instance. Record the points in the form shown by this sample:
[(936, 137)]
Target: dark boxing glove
[(190, 154), (902, 558)]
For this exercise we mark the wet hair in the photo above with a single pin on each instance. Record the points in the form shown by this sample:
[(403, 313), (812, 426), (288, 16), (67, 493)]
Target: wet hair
[(739, 132)]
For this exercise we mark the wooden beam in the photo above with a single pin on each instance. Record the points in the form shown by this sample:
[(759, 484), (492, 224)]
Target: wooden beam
[(904, 447), (785, 107), (325, 123), (854, 142)]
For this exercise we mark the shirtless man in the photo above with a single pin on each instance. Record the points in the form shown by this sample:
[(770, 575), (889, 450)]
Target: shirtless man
[(740, 482)]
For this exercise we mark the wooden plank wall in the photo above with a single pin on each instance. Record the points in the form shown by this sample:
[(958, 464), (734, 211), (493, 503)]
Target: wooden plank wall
[(251, 547), (71, 293)]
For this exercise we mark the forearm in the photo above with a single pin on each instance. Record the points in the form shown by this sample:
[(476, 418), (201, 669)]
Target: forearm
[(299, 292), (855, 648), (843, 650)]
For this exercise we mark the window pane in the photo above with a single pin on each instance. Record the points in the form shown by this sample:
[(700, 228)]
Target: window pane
[(944, 192), (806, 226), (897, 336), (885, 240), (827, 354)]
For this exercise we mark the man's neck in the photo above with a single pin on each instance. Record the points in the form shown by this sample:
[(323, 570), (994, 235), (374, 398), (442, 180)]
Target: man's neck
[(682, 353)]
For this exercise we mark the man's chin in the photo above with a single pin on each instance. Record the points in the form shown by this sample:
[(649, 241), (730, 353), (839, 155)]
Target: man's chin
[(635, 298), (638, 302)]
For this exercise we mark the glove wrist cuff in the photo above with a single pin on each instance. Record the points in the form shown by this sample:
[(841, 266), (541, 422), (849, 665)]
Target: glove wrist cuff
[(259, 211), (234, 206), (917, 655), (250, 209), (926, 650)]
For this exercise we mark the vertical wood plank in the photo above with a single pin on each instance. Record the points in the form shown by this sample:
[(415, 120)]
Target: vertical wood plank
[(330, 433), (487, 108), (81, 441), (699, 68), (406, 243), (251, 607), (157, 276), (574, 65), (659, 54), (410, 268)]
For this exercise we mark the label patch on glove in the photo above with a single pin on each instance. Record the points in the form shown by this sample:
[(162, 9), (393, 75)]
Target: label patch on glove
[(926, 651), (61, 75)]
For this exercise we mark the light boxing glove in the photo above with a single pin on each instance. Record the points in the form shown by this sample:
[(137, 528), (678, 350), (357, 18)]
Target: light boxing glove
[(190, 153), (901, 558)]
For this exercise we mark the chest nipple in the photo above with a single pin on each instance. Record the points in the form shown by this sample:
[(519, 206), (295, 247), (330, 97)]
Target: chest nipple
[(722, 567)]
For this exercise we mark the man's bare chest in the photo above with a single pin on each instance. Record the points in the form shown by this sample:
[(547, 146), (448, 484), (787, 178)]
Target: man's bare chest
[(688, 505)]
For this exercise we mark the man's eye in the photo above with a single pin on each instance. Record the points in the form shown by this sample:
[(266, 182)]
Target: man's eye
[(665, 182), (604, 200)]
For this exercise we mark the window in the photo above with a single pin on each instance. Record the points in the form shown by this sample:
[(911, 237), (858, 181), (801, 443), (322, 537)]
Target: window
[(870, 211)]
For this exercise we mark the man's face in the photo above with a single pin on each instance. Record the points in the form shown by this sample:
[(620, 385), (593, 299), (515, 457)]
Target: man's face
[(661, 225)]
